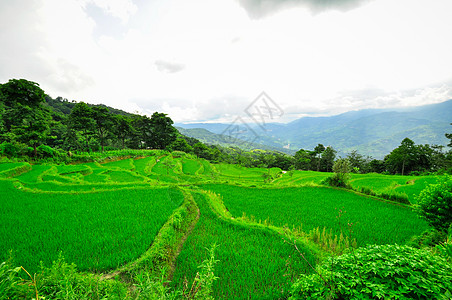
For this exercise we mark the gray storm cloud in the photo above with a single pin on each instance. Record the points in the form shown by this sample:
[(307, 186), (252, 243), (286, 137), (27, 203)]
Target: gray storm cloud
[(257, 9), (168, 67)]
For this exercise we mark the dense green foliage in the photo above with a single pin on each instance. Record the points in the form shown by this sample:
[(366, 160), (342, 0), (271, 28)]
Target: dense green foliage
[(341, 176), (379, 272), (435, 204)]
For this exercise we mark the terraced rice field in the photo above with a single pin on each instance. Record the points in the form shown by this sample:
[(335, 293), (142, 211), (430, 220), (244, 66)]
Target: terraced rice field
[(94, 230), (374, 222), (101, 216), (254, 263)]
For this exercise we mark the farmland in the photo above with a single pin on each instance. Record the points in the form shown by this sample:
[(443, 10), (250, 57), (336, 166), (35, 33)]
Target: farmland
[(120, 217), (95, 230), (373, 222)]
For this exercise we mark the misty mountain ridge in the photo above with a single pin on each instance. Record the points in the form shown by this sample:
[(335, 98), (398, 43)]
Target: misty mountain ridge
[(373, 132)]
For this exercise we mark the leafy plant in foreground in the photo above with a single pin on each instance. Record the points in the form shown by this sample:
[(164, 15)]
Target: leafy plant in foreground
[(379, 271), (11, 284)]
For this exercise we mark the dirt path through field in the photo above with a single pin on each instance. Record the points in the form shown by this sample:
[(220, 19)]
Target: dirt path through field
[(181, 244)]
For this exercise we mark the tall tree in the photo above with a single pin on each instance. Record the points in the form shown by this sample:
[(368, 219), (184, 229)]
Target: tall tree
[(403, 158), (328, 156), (122, 128), (302, 159), (181, 144), (318, 150), (162, 131), (34, 128), (358, 162), (103, 121), (377, 166), (23, 115), (202, 151), (16, 96), (81, 119), (141, 137), (282, 161)]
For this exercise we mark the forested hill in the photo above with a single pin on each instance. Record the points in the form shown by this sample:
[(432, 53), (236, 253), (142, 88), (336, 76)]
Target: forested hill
[(373, 132), (34, 126), (64, 106)]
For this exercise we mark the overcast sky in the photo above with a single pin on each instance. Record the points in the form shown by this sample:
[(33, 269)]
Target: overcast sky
[(204, 60)]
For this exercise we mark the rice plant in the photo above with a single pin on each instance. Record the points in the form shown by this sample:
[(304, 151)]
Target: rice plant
[(253, 263), (96, 230), (374, 222)]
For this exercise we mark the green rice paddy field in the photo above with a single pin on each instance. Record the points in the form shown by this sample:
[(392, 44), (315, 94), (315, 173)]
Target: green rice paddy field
[(102, 216), (373, 222)]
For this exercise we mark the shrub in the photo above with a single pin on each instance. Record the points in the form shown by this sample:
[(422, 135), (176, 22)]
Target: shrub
[(378, 272), (11, 284), (445, 248), (63, 281), (45, 151), (336, 181), (396, 197), (341, 174), (434, 204), (8, 149), (28, 151), (429, 238)]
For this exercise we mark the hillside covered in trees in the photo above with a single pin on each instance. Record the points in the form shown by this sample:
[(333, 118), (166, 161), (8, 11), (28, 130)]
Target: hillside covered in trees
[(34, 125)]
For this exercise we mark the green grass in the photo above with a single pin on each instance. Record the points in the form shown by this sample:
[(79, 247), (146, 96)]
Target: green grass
[(374, 222), (51, 186), (190, 166), (98, 175), (166, 166), (9, 166), (34, 175), (207, 167), (253, 263), (302, 177), (379, 183), (414, 186), (239, 173), (125, 176), (58, 178), (97, 231), (71, 169), (143, 166), (126, 164), (10, 170)]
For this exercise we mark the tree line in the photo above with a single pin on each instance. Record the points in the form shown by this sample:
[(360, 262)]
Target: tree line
[(28, 117), (35, 125)]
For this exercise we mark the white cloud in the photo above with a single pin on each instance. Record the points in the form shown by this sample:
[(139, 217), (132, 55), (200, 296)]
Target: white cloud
[(262, 8), (168, 67), (122, 9), (207, 59)]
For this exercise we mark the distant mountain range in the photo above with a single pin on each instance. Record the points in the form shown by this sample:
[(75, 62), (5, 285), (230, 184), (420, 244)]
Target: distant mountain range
[(211, 138), (373, 132)]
